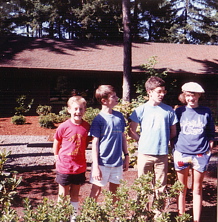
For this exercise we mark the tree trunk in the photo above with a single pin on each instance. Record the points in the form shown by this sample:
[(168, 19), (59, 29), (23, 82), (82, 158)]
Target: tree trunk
[(127, 55)]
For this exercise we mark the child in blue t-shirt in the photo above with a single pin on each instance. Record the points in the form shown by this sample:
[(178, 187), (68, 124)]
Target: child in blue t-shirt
[(192, 145), (109, 141), (158, 125)]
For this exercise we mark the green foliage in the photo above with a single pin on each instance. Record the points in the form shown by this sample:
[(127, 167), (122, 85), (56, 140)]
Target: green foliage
[(23, 107), (171, 175), (126, 109), (47, 121), (48, 211), (63, 115), (150, 70), (18, 120), (131, 206), (43, 110), (179, 21), (195, 22), (100, 19), (8, 185), (183, 218), (90, 114)]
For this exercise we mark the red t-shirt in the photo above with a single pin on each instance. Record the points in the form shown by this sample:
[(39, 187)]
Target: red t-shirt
[(73, 138)]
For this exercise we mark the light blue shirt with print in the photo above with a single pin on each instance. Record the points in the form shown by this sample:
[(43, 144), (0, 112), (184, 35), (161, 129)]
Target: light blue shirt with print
[(155, 123), (109, 129)]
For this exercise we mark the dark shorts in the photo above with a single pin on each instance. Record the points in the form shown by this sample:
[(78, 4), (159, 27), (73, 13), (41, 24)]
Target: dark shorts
[(67, 179)]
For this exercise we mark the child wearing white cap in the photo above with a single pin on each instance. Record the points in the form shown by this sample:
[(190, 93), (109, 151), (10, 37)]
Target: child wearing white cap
[(192, 144)]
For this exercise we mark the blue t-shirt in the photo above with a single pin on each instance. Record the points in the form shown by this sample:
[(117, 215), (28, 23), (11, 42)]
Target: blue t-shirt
[(155, 123), (195, 130), (109, 129)]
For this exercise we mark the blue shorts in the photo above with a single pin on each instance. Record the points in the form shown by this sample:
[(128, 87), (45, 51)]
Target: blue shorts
[(198, 162)]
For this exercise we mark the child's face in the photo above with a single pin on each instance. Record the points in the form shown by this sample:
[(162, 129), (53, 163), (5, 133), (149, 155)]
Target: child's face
[(156, 95), (112, 100), (77, 111), (192, 99)]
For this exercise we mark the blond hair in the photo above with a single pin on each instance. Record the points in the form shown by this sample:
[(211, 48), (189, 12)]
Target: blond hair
[(76, 99), (103, 92), (182, 96)]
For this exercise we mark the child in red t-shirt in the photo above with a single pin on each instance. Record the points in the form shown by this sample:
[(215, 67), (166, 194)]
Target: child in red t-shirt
[(70, 142)]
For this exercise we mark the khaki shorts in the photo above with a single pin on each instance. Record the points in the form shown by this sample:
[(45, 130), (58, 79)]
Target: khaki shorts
[(109, 174), (157, 164)]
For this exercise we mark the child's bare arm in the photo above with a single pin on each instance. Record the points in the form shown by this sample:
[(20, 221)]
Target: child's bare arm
[(132, 131), (96, 173), (126, 154), (56, 147), (172, 135)]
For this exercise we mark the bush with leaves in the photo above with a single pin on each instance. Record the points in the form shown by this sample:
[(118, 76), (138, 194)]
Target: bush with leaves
[(8, 185), (48, 121), (20, 110), (63, 114), (43, 110), (48, 210), (90, 114), (133, 206), (23, 107), (18, 120)]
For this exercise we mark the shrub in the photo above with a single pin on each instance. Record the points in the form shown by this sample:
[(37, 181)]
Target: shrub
[(18, 120), (23, 106), (47, 121), (64, 111), (8, 185), (63, 114), (128, 208), (48, 211), (43, 110), (90, 114), (133, 207)]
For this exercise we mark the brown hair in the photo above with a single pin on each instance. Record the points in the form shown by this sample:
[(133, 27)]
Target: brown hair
[(76, 99), (154, 82), (103, 92)]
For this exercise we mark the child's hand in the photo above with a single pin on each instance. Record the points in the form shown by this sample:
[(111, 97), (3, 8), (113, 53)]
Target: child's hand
[(96, 173), (126, 163)]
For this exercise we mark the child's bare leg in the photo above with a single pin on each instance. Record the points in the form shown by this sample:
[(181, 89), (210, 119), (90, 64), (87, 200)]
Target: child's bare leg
[(74, 192), (74, 199), (113, 188), (95, 191), (197, 194), (183, 178), (63, 191)]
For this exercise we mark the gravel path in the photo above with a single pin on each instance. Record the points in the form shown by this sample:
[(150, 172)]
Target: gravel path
[(29, 151), (23, 155)]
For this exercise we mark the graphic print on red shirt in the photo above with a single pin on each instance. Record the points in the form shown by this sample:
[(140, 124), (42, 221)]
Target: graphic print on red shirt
[(71, 156)]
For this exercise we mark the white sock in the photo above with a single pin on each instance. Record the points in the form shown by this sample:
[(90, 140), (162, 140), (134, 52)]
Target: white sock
[(75, 206)]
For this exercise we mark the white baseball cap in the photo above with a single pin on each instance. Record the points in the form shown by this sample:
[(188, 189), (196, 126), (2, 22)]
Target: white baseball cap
[(192, 87)]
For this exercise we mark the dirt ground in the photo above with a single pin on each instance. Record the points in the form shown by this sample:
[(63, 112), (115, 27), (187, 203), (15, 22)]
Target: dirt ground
[(38, 181)]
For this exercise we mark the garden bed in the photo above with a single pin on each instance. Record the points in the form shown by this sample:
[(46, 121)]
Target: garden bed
[(36, 166)]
